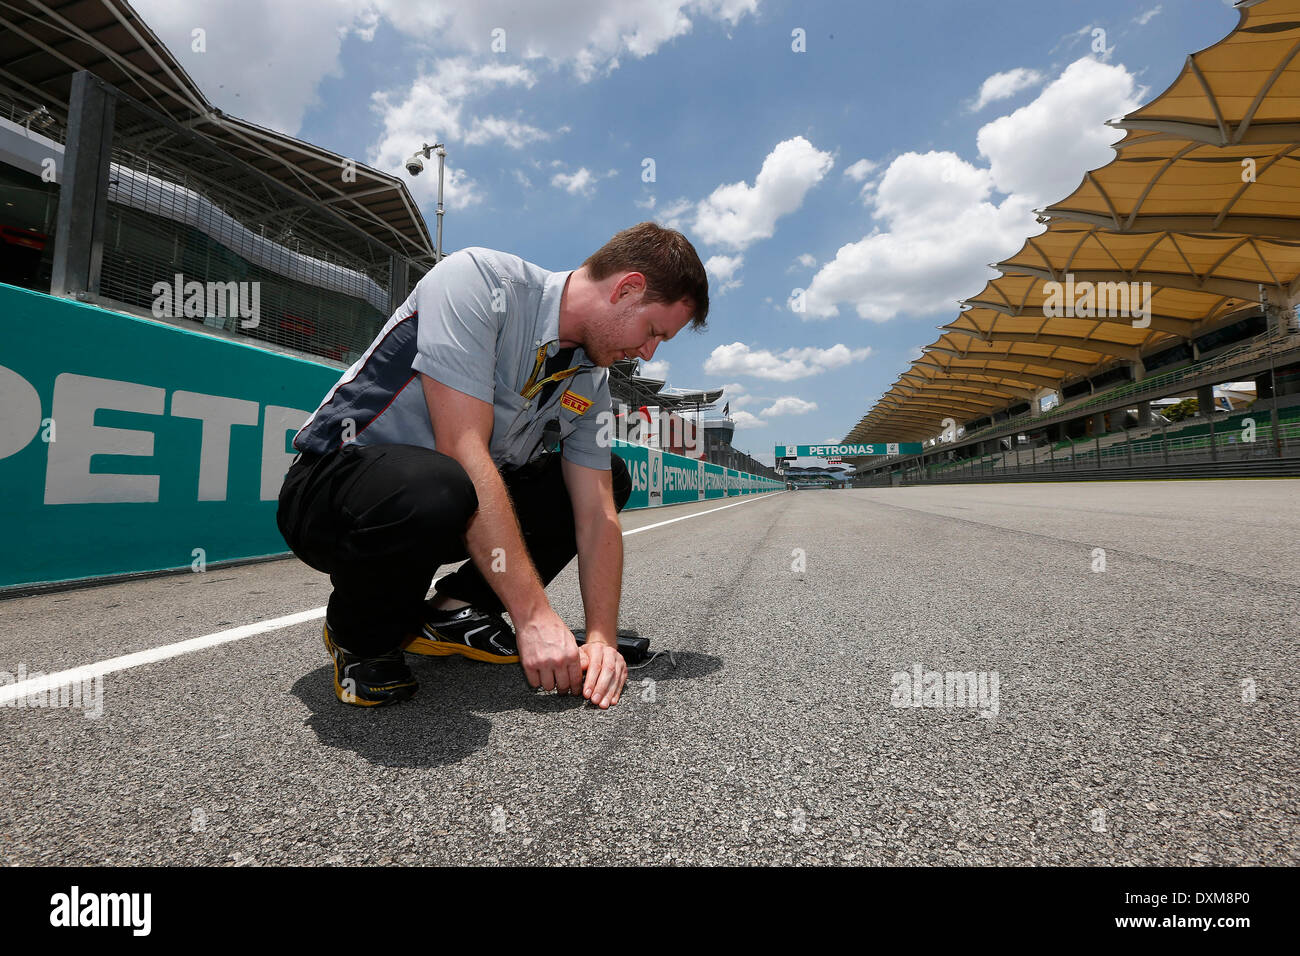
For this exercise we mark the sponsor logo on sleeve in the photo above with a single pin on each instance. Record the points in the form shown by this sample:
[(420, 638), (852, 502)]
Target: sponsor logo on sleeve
[(575, 402)]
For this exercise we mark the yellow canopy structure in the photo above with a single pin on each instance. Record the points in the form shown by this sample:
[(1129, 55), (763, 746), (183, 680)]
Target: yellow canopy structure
[(1199, 208)]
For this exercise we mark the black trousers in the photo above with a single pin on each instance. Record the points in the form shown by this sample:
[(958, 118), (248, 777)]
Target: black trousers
[(381, 519)]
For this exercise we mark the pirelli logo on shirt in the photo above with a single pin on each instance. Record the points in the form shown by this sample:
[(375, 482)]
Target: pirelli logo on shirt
[(575, 402)]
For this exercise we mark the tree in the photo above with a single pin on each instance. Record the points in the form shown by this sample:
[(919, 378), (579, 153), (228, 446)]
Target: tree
[(1184, 409)]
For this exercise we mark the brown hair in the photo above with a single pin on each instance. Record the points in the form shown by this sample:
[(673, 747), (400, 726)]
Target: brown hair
[(666, 258)]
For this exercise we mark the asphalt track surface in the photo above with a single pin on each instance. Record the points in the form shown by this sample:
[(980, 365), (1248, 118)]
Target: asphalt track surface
[(1123, 732)]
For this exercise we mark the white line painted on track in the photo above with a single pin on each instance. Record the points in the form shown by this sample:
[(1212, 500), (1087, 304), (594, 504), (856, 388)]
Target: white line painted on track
[(660, 524), (47, 682)]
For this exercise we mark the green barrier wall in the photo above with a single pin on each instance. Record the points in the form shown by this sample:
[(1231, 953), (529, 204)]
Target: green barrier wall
[(128, 445), (659, 478), (131, 445)]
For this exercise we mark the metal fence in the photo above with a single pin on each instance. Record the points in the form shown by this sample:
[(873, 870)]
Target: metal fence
[(1149, 451), (1277, 341), (190, 234)]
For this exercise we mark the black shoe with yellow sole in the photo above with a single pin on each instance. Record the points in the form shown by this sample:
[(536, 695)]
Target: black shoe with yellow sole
[(369, 681), (468, 632)]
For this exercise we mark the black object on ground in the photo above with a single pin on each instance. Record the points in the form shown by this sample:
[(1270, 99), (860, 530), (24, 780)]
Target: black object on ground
[(631, 645)]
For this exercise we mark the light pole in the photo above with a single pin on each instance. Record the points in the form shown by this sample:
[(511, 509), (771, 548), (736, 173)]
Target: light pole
[(413, 166), (442, 162)]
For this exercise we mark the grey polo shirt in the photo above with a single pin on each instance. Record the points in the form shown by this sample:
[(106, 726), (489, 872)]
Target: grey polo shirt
[(474, 323)]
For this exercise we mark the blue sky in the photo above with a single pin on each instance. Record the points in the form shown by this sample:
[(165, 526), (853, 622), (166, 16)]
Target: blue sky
[(865, 169)]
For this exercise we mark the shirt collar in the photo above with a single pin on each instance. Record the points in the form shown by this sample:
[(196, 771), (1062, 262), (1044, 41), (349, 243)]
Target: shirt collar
[(548, 324)]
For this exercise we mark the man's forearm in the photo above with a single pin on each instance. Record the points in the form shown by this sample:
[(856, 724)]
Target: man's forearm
[(510, 571), (600, 577)]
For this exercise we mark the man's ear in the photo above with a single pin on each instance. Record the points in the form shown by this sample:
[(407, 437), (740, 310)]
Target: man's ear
[(632, 282)]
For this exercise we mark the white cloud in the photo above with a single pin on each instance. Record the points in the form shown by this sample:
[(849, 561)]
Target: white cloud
[(807, 260), (940, 222), (672, 216), (1069, 40), (736, 395), (512, 133), (739, 359), (443, 94), (578, 183), (647, 203), (866, 193), (658, 369), (789, 405), (942, 229), (860, 170), (267, 75), (588, 36), (270, 75), (581, 182), (738, 214), (1001, 86), (522, 179), (1041, 151), (365, 26), (723, 267), (723, 270), (1147, 16)]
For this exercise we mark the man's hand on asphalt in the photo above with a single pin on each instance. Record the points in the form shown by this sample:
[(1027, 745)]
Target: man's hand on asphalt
[(606, 673), (548, 653)]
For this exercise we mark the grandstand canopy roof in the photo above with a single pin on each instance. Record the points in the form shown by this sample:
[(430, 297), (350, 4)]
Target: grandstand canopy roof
[(43, 43), (1243, 89), (1202, 201), (689, 396), (632, 389), (1224, 264), (1158, 183)]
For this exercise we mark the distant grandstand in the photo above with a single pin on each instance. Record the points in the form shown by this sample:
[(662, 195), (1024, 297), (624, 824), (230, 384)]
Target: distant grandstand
[(819, 476)]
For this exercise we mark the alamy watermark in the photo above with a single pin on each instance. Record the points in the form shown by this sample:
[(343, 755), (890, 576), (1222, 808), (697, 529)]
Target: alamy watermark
[(75, 908), (1091, 300), (663, 427), (87, 695), (946, 689), (199, 300)]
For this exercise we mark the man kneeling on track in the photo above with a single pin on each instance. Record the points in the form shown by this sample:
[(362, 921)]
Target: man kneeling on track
[(469, 429)]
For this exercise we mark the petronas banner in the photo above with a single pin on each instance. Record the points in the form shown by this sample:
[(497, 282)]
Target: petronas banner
[(844, 451)]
